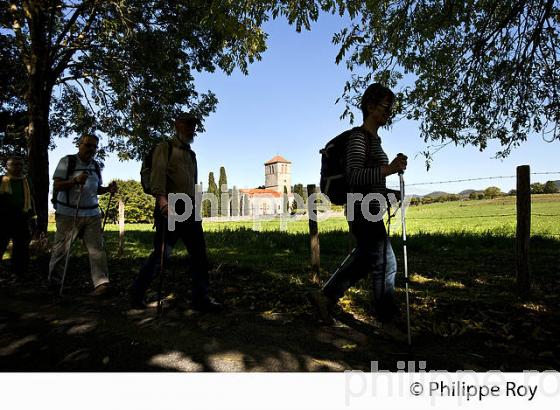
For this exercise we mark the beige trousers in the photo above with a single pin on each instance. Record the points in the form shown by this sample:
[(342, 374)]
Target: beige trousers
[(89, 229)]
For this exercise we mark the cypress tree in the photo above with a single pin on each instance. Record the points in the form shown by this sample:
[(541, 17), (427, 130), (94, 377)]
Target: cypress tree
[(212, 189), (223, 191), (298, 189), (285, 204)]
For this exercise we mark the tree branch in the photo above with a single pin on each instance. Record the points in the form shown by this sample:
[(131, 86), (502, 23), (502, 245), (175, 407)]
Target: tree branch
[(479, 47), (66, 79), (50, 26), (535, 38), (20, 38), (67, 55), (85, 94), (67, 27)]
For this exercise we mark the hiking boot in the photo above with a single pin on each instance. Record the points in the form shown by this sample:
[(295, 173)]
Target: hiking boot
[(207, 305), (394, 331), (323, 304), (136, 300), (53, 286), (103, 290), (386, 310)]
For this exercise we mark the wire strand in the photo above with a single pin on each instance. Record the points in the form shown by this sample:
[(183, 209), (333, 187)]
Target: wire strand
[(460, 180), (476, 216), (479, 178), (462, 217)]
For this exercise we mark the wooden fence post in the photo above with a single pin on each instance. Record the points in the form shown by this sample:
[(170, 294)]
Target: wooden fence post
[(313, 236), (121, 227), (523, 233)]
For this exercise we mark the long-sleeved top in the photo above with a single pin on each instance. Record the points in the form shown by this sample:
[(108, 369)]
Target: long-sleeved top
[(363, 162), (179, 174)]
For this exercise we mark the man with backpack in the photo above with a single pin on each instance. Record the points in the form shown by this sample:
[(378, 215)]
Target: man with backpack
[(363, 168), (172, 168), (16, 211), (77, 182)]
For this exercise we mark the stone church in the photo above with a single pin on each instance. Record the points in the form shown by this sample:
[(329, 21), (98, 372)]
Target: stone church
[(270, 199)]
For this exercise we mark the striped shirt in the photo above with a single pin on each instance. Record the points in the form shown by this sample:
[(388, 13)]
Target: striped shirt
[(364, 161)]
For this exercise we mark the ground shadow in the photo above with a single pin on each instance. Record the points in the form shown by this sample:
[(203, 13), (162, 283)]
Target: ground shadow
[(464, 311)]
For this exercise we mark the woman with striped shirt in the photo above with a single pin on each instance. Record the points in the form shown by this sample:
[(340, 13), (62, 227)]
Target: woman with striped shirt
[(367, 166)]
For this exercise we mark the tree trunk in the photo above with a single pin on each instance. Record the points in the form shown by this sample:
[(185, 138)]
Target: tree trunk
[(38, 140), (38, 96)]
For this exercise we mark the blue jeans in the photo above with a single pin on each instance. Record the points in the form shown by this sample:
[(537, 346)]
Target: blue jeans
[(373, 254)]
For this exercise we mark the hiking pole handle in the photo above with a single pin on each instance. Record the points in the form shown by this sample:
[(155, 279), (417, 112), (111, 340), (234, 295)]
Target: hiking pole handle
[(400, 154)]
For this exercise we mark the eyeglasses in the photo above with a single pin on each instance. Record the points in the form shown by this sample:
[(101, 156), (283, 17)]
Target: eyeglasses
[(94, 146), (386, 107)]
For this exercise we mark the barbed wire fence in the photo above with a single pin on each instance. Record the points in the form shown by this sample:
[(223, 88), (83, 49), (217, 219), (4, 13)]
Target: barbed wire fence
[(533, 214), (523, 220), (476, 179)]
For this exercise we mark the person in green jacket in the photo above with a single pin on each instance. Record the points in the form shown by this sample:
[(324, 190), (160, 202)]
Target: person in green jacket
[(16, 211)]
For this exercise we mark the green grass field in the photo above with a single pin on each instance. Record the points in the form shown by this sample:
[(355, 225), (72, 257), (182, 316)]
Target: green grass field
[(461, 258), (496, 216), (482, 225)]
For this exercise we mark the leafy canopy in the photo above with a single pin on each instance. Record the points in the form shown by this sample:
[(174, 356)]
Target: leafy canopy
[(472, 71), (126, 67)]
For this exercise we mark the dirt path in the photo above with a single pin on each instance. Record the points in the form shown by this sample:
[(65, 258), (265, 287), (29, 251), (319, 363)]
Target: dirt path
[(40, 332)]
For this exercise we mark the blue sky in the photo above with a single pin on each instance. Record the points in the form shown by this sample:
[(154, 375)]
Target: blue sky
[(286, 106)]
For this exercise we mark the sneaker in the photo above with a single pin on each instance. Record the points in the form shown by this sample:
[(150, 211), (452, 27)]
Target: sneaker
[(207, 305), (323, 304)]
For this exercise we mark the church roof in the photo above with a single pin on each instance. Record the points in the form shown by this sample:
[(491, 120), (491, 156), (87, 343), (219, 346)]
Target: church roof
[(276, 159), (261, 192)]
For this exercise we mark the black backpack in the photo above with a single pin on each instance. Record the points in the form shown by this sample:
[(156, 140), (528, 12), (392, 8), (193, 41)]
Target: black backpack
[(333, 168), (72, 159), (146, 169)]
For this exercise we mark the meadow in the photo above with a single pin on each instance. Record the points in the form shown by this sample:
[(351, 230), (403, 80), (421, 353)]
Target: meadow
[(465, 311), (483, 226), (497, 216)]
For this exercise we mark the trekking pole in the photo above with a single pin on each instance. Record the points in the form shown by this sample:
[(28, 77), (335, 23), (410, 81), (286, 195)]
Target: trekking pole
[(106, 212), (403, 221), (336, 272), (161, 268), (70, 240)]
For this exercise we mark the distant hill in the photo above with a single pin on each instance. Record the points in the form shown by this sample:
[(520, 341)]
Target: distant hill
[(557, 183), (467, 192), (436, 194)]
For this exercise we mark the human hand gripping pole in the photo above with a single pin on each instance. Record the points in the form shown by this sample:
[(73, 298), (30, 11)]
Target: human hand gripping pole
[(403, 222)]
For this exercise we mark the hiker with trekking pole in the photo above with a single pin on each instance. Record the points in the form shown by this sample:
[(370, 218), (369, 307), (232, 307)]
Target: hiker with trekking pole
[(77, 183), (354, 165), (171, 167)]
